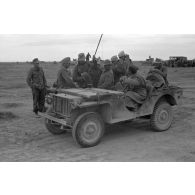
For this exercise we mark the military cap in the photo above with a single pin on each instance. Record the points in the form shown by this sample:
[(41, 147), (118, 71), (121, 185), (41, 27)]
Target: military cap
[(81, 57), (107, 63), (35, 61), (65, 60), (114, 59), (121, 54)]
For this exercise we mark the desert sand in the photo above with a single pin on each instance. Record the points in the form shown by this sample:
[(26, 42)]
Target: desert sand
[(25, 138)]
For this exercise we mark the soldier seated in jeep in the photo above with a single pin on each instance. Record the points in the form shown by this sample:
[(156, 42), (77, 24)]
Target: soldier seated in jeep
[(134, 86), (80, 72), (157, 77)]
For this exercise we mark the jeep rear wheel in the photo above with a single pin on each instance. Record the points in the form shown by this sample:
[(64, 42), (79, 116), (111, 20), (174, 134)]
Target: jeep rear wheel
[(53, 127), (162, 116), (88, 129)]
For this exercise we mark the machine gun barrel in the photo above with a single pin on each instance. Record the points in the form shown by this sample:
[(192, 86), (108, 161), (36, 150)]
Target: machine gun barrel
[(98, 44)]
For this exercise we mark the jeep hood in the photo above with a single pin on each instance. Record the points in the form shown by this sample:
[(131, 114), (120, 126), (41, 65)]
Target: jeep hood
[(90, 93)]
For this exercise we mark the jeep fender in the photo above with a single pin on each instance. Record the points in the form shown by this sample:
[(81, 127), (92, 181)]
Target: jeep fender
[(103, 109), (169, 98), (148, 107)]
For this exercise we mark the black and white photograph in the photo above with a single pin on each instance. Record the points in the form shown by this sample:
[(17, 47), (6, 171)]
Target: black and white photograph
[(121, 97), (97, 97)]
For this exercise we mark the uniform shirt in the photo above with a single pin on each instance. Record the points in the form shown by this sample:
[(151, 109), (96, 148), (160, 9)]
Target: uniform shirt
[(135, 81), (95, 73), (118, 70), (64, 79), (106, 80), (136, 84), (80, 74), (125, 63), (120, 67), (36, 78)]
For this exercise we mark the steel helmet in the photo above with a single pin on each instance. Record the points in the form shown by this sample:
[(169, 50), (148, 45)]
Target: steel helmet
[(121, 54), (81, 57), (114, 59)]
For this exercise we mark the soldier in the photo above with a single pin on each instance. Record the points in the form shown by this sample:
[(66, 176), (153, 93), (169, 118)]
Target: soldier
[(107, 78), (134, 88), (95, 72), (114, 60), (80, 73), (37, 82), (88, 57), (118, 71), (162, 68), (158, 76), (124, 60), (64, 79)]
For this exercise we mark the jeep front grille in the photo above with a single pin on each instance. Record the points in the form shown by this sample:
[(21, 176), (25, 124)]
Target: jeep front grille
[(61, 106)]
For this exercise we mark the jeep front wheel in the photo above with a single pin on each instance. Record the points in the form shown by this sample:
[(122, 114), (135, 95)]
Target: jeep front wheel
[(162, 116), (88, 129), (53, 127)]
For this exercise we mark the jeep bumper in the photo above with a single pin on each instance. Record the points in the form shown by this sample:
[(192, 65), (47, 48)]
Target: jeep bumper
[(63, 122)]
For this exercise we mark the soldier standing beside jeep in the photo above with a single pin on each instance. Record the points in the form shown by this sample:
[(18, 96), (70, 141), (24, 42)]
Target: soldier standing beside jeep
[(64, 79), (37, 82)]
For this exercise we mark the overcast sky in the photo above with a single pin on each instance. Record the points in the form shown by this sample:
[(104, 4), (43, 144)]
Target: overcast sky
[(55, 47)]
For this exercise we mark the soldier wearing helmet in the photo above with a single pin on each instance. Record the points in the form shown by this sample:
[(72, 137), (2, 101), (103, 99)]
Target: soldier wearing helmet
[(95, 72), (117, 68), (80, 72), (107, 78), (124, 60), (114, 60), (134, 86)]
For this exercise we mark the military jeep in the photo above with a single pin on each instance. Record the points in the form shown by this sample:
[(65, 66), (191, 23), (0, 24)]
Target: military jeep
[(84, 112)]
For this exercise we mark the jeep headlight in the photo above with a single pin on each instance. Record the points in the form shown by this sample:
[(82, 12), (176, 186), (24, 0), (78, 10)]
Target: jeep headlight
[(49, 99)]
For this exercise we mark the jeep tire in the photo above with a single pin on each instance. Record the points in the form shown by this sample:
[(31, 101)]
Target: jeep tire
[(53, 127), (88, 129), (162, 116)]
